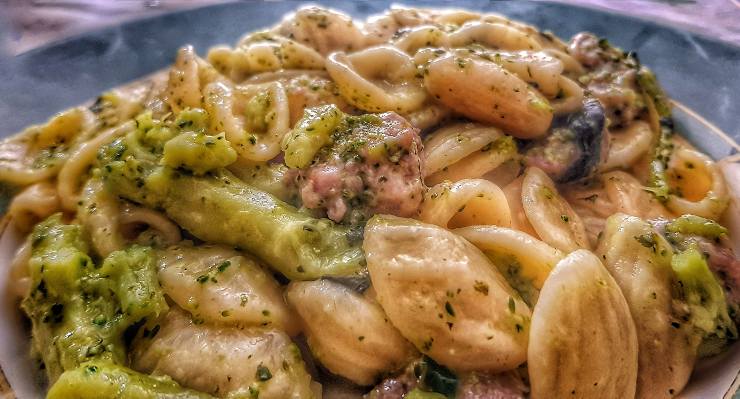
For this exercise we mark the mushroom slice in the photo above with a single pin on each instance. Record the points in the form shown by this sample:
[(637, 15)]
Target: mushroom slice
[(445, 296), (347, 332), (583, 342), (639, 259)]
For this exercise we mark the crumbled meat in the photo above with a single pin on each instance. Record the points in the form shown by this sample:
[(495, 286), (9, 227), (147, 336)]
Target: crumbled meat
[(611, 77), (394, 387), (726, 266), (372, 166), (492, 386)]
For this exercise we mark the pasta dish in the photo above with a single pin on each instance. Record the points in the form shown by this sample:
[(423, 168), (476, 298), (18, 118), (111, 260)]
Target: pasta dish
[(427, 204)]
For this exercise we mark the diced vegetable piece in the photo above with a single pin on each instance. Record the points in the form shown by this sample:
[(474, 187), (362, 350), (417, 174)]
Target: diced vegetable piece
[(94, 380)]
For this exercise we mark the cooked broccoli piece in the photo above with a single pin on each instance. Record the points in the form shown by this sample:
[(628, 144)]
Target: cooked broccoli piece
[(99, 379), (218, 207), (79, 311)]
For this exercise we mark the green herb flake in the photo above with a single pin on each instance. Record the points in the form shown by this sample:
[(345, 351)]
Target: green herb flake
[(263, 373)]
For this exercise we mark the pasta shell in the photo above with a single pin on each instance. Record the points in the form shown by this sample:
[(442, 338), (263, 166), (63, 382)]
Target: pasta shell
[(348, 333), (583, 342), (465, 203), (485, 92), (535, 257), (220, 285), (445, 296), (551, 215), (222, 360), (640, 261)]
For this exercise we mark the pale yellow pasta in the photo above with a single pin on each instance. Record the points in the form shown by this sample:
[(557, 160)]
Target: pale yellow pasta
[(235, 290), (699, 182), (628, 145), (322, 29), (34, 204), (428, 116), (455, 17), (583, 342), (550, 214), (377, 79), (263, 52), (223, 360), (492, 35), (421, 36), (454, 142), (535, 257), (629, 196), (257, 136), (613, 192), (80, 160), (572, 97), (538, 68), (519, 221), (465, 203), (39, 152), (485, 92), (379, 29), (162, 230), (445, 296), (570, 64), (112, 224), (666, 353), (183, 87), (348, 332)]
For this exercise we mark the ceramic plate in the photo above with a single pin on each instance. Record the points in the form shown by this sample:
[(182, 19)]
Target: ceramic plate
[(699, 73)]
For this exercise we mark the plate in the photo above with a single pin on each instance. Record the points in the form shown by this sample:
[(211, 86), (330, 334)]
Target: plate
[(699, 73)]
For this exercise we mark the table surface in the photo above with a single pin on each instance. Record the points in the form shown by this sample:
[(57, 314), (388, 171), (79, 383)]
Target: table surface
[(32, 23)]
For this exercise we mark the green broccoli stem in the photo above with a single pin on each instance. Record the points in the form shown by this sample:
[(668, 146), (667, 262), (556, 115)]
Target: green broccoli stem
[(220, 208), (105, 380), (657, 181)]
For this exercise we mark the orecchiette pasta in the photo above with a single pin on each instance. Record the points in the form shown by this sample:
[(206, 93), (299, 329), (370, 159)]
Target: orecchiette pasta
[(80, 160), (698, 184), (494, 35), (40, 151), (348, 333), (257, 137), (223, 360), (323, 30), (628, 145), (474, 321), (581, 307), (377, 79), (639, 260), (535, 257), (464, 150), (219, 285), (263, 52), (34, 204), (484, 91), (550, 214), (465, 203)]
